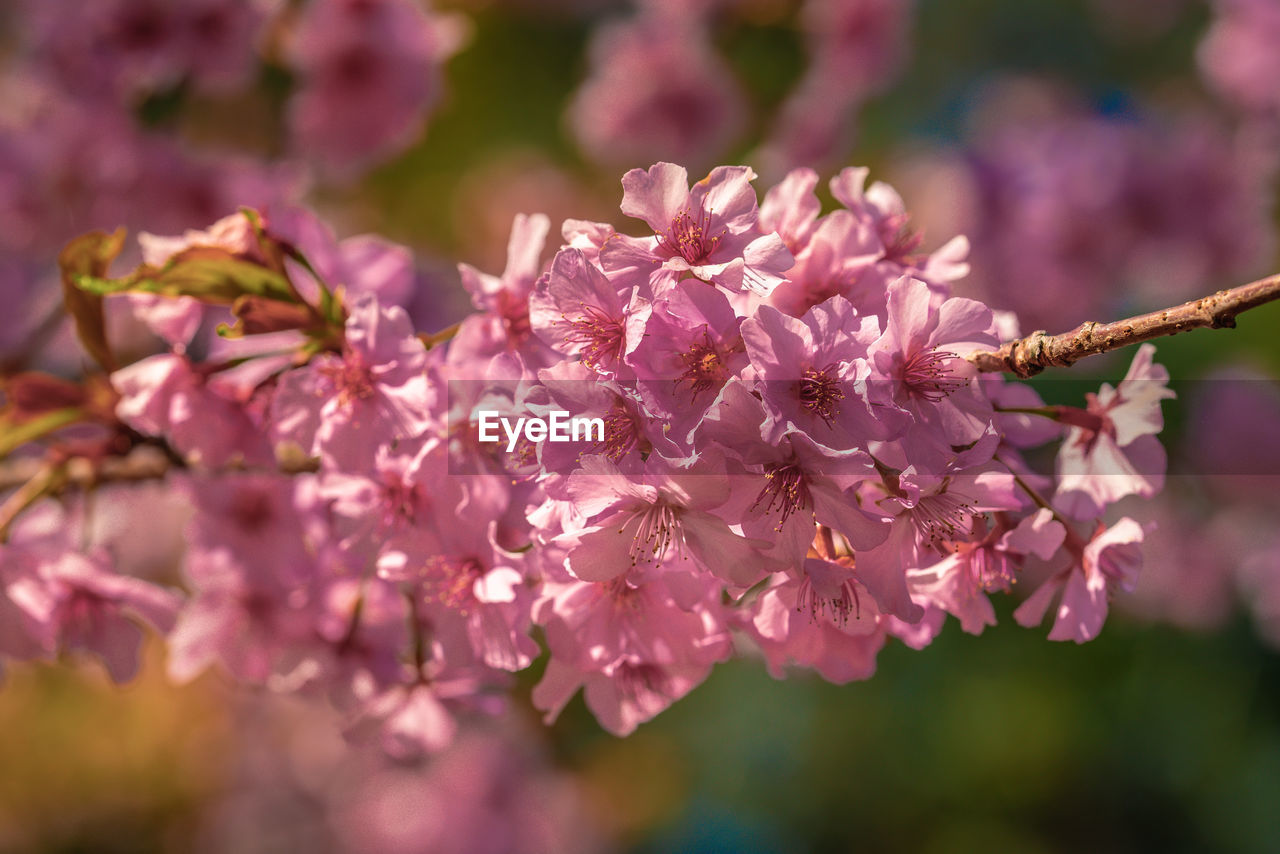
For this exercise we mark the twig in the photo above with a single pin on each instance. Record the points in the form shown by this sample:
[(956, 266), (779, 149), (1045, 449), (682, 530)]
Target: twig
[(1024, 357), (1028, 356), (1071, 539), (42, 481), (140, 464), (81, 472)]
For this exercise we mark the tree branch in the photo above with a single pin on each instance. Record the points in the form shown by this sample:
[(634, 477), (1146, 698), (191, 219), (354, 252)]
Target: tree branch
[(42, 481), (142, 463), (1028, 356), (1024, 357)]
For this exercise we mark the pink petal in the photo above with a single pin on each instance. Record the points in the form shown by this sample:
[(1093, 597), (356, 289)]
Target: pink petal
[(882, 571), (655, 196), (1038, 534), (1031, 612), (1082, 611), (603, 553)]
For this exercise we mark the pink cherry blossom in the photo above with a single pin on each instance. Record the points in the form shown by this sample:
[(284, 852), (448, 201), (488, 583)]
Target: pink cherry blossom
[(369, 72), (792, 484), (820, 617), (707, 231), (1109, 562), (958, 583), (343, 407), (690, 347), (656, 90), (1111, 450), (364, 263), (813, 374), (164, 395), (1235, 57), (580, 311), (921, 353), (502, 323), (73, 601), (652, 519), (793, 453)]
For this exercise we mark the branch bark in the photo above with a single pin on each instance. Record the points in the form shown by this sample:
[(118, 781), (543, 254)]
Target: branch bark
[(1024, 357), (1030, 355), (142, 463)]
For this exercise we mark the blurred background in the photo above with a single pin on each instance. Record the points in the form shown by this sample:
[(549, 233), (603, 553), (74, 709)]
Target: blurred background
[(1103, 156)]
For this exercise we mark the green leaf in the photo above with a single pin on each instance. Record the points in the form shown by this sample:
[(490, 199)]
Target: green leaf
[(89, 255), (15, 435), (268, 246), (209, 274)]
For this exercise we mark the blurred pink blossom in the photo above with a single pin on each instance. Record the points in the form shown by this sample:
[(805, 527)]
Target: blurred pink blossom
[(657, 91), (369, 72)]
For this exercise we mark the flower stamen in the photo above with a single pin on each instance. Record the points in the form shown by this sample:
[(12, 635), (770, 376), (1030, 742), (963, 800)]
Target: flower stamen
[(690, 238), (704, 367), (600, 335), (786, 487), (820, 392), (931, 375)]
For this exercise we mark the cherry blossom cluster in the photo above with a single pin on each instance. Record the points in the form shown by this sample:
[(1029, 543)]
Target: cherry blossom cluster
[(1218, 545), (659, 87), (795, 459), (375, 63), (1103, 213), (132, 112), (1236, 57), (495, 791), (856, 49)]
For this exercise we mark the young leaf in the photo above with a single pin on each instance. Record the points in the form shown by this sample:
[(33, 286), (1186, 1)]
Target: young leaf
[(89, 255), (209, 274)]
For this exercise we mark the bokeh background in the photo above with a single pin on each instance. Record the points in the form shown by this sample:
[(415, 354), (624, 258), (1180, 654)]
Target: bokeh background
[(1104, 156)]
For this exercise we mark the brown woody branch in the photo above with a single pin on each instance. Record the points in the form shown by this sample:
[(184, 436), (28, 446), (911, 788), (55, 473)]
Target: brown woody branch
[(1028, 356), (1024, 357), (140, 464)]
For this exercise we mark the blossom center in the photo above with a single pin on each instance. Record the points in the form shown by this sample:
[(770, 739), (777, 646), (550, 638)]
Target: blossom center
[(514, 311), (990, 571), (624, 597), (704, 367), (1120, 562), (931, 375), (139, 31), (621, 433), (525, 453), (356, 69), (451, 582), (838, 603), (85, 609), (600, 336), (400, 498), (658, 530), (690, 238), (820, 392), (941, 517), (352, 379), (1093, 422), (785, 486), (899, 239), (640, 682), (252, 509)]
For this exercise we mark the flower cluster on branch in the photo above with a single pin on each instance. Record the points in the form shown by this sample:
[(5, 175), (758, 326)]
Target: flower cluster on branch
[(796, 454)]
